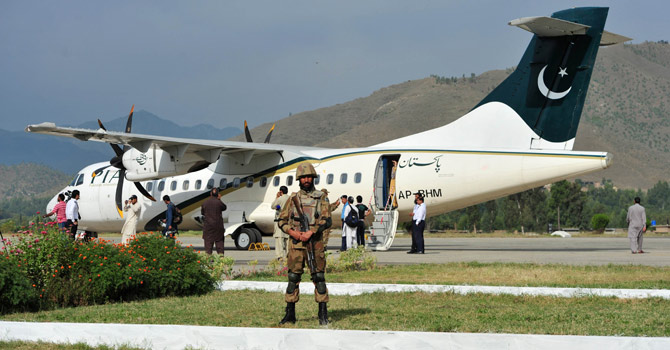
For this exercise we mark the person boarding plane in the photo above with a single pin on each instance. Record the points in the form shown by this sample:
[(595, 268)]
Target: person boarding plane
[(518, 137)]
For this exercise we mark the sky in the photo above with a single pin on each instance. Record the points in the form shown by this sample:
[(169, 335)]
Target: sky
[(223, 62)]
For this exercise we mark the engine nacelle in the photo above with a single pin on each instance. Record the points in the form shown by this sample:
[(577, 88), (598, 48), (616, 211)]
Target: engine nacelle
[(157, 163)]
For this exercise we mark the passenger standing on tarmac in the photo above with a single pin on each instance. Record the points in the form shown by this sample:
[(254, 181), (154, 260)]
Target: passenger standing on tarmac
[(170, 225), (348, 231), (637, 225), (132, 210), (59, 210), (281, 238), (419, 224), (314, 205), (72, 214), (363, 211), (326, 233), (412, 250), (345, 203), (212, 226)]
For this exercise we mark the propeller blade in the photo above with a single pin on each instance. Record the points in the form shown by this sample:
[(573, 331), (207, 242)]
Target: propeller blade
[(119, 192), (129, 124), (98, 171), (117, 150), (101, 126), (267, 138), (247, 133), (143, 191)]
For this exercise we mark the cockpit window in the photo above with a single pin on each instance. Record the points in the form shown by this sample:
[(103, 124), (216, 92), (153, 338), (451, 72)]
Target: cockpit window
[(80, 180), (74, 181)]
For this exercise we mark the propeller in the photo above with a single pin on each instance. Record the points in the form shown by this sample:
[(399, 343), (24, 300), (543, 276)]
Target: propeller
[(247, 134), (117, 162)]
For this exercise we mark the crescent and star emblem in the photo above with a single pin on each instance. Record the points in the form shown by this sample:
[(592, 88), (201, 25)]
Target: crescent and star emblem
[(545, 91)]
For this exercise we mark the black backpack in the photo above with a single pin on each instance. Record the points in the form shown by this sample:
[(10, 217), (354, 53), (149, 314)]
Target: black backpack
[(177, 218), (352, 218)]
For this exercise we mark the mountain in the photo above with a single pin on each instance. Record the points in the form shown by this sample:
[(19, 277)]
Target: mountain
[(626, 113), (25, 180), (70, 155)]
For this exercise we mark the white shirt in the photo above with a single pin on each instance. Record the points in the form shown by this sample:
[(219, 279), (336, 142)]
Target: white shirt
[(72, 210), (419, 213)]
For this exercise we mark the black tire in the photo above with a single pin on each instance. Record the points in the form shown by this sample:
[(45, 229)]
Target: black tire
[(244, 238), (257, 233)]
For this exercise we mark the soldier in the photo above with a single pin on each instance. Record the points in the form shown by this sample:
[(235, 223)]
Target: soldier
[(314, 205)]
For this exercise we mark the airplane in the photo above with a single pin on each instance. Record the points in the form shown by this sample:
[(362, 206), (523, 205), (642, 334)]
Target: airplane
[(518, 137)]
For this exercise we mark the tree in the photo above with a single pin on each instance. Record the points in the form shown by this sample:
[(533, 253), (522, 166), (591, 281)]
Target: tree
[(566, 204)]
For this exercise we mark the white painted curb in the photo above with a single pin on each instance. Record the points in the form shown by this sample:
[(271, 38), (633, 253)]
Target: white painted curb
[(361, 288), (200, 337)]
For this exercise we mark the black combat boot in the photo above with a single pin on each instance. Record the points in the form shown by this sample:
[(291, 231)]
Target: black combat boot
[(290, 314), (323, 314)]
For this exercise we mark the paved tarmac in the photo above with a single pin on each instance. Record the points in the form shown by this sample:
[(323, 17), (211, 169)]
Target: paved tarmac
[(555, 250)]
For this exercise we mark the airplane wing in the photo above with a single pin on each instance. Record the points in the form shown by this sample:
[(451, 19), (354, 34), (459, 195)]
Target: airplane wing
[(177, 147)]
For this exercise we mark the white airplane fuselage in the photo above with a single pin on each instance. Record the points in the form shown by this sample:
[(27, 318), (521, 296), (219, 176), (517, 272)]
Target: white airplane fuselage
[(449, 180)]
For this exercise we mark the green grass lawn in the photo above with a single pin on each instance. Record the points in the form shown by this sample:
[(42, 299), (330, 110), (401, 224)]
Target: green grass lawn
[(417, 311), (430, 312), (505, 274)]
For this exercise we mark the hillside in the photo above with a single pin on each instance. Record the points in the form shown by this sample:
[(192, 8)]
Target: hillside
[(626, 113), (26, 180)]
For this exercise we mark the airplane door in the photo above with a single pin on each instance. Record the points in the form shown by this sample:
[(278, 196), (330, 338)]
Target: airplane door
[(385, 196)]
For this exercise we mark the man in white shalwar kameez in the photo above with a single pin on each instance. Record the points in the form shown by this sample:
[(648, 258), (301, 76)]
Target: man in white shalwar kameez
[(348, 232), (132, 213)]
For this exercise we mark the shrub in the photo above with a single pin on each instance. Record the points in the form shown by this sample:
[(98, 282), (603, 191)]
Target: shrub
[(218, 266), (67, 273), (16, 290), (355, 259), (599, 222)]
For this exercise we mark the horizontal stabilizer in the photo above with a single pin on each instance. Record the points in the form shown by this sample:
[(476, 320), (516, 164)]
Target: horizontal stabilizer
[(550, 27), (547, 26), (612, 39)]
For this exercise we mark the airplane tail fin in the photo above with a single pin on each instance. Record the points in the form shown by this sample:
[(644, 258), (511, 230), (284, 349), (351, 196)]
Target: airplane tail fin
[(539, 105)]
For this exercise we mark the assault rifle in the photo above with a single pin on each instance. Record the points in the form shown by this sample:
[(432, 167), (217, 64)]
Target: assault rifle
[(304, 227)]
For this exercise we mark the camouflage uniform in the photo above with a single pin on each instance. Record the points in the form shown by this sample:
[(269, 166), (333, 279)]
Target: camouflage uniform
[(317, 209), (314, 205)]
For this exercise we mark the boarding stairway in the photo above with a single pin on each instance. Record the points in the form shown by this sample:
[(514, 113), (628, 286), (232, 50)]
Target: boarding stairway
[(382, 230)]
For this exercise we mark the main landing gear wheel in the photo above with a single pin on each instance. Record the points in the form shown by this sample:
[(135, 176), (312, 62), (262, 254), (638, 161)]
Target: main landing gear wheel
[(244, 239), (258, 236)]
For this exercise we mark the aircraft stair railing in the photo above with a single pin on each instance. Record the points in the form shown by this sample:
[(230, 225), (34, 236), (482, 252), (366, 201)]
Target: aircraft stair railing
[(382, 230)]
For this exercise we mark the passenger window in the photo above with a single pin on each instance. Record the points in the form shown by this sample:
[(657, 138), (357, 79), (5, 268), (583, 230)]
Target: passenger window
[(236, 182), (210, 184), (250, 181), (80, 180), (264, 181), (161, 186), (184, 186), (150, 186), (329, 179), (198, 184), (275, 181), (358, 177), (289, 180), (173, 185), (223, 183), (343, 178), (317, 179)]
